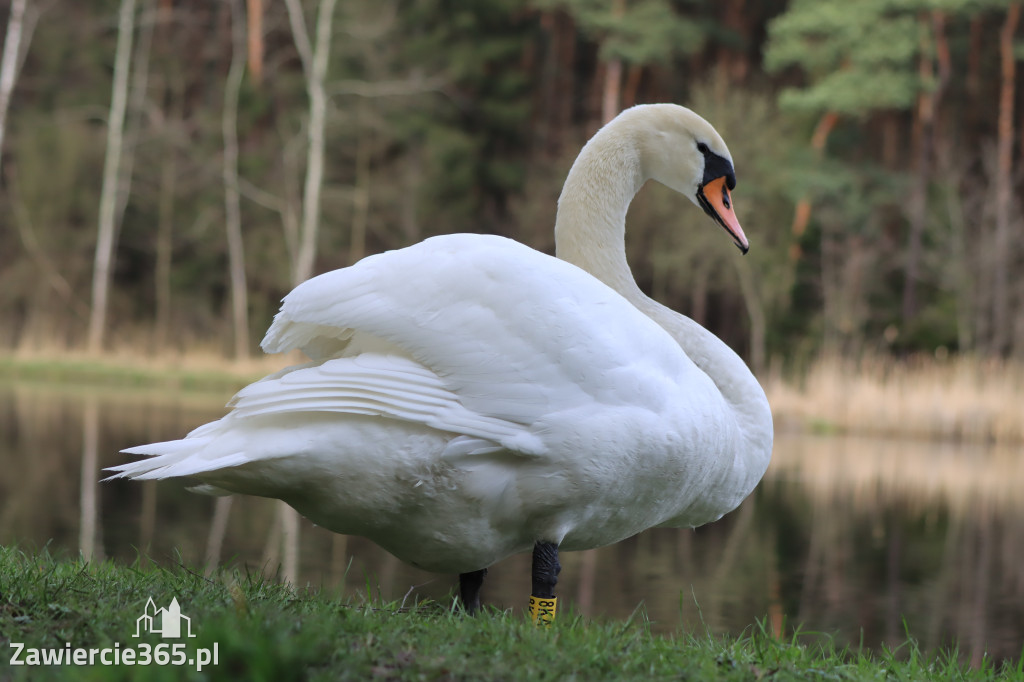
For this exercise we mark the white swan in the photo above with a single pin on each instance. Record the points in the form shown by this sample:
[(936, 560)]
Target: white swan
[(469, 398)]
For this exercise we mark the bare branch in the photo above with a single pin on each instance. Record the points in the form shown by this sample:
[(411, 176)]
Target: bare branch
[(399, 88), (27, 233), (258, 195), (300, 34)]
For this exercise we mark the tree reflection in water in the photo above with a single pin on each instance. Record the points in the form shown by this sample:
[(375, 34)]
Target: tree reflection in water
[(852, 537)]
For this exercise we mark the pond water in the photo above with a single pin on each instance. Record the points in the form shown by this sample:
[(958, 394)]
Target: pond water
[(862, 539)]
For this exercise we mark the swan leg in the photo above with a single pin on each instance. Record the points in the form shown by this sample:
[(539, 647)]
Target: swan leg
[(469, 589), (545, 576)]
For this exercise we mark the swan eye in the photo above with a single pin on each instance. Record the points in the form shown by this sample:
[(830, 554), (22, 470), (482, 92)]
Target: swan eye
[(702, 148)]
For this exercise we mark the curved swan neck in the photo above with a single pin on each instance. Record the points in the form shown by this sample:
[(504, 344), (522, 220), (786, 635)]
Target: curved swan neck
[(590, 233), (590, 227)]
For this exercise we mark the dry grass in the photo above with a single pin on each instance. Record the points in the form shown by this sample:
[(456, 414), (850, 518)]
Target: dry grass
[(960, 398)]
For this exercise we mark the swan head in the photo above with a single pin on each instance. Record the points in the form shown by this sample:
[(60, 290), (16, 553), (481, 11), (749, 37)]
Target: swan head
[(684, 152)]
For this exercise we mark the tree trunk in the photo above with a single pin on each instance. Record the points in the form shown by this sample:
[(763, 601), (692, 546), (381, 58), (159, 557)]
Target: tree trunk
[(164, 250), (977, 44), (255, 35), (610, 92), (169, 126), (137, 90), (633, 77), (412, 178), (111, 175), (1000, 311), (959, 250), (316, 72), (802, 211), (610, 99), (566, 83), (164, 232), (361, 191), (733, 62), (232, 208), (924, 141), (16, 32)]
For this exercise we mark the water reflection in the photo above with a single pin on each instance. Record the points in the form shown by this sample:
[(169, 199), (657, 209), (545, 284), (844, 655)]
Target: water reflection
[(933, 533), (846, 536), (88, 530)]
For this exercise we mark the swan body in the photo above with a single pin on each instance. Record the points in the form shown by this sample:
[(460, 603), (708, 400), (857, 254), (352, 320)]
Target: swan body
[(468, 397)]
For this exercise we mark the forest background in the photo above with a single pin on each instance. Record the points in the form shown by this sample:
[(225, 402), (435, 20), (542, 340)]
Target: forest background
[(171, 168)]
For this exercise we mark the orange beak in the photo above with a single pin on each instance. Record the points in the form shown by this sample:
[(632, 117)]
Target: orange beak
[(716, 201)]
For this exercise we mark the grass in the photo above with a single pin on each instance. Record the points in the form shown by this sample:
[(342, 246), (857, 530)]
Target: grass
[(268, 631)]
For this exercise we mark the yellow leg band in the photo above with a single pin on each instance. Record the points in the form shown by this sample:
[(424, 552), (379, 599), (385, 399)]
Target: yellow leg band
[(542, 611)]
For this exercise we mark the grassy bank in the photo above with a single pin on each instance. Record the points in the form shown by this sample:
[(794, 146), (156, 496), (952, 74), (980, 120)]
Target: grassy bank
[(266, 631), (194, 372)]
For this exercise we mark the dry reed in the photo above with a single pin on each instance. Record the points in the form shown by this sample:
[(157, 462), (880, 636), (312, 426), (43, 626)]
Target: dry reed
[(958, 398)]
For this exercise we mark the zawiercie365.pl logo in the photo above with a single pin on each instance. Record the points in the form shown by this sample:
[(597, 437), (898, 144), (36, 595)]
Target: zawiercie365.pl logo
[(169, 623)]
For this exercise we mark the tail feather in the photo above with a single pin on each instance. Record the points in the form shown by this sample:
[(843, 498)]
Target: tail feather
[(167, 447), (174, 459)]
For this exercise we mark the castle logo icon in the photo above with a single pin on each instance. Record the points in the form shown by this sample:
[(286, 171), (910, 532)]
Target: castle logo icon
[(166, 622)]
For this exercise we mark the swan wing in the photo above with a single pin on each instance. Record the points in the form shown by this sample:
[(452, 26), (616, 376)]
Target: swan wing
[(373, 384), (262, 421), (507, 333)]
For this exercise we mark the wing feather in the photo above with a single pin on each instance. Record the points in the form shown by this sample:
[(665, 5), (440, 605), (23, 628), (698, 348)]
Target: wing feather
[(510, 334), (390, 386)]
